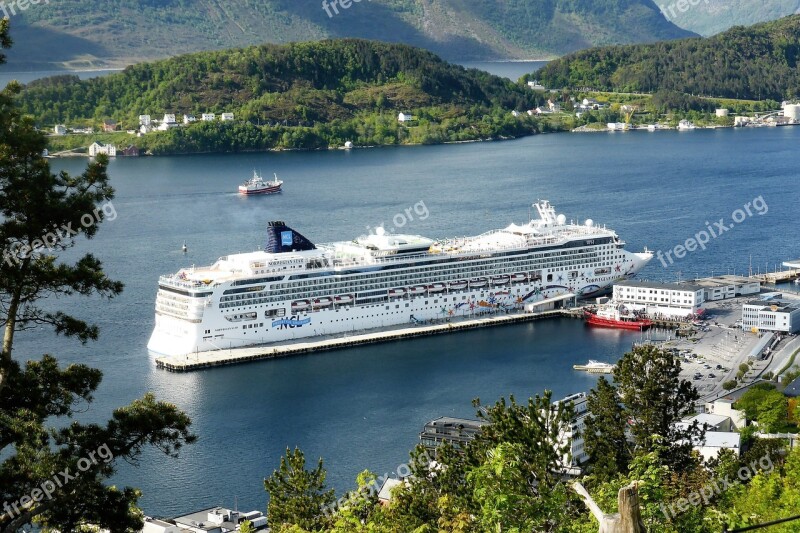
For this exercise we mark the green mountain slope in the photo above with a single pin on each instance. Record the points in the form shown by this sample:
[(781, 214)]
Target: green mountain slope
[(757, 62), (301, 95), (131, 30), (709, 17)]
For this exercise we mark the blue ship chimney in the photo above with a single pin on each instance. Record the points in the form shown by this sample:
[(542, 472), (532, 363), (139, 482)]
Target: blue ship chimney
[(281, 238)]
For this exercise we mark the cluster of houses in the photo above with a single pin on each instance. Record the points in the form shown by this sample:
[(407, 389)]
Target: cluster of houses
[(170, 120)]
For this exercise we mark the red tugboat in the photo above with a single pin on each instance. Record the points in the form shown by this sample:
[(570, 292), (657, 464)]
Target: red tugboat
[(610, 316)]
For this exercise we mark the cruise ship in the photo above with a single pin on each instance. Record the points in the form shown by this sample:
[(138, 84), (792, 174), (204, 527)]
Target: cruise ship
[(295, 289)]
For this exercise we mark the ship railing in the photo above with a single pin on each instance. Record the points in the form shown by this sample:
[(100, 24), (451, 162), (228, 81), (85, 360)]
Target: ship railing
[(178, 283)]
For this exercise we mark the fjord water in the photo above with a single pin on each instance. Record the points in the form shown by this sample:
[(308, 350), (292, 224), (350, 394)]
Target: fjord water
[(363, 408)]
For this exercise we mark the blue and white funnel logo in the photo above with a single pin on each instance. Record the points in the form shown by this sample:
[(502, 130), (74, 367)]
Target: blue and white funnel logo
[(286, 238)]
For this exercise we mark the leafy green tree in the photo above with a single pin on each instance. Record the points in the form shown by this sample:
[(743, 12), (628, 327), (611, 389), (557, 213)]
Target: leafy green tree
[(604, 433), (41, 216), (297, 496), (247, 527), (537, 428), (729, 385)]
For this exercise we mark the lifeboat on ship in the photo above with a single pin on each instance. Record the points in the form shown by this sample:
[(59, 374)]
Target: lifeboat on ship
[(518, 278), (300, 305), (419, 289), (475, 283), (501, 280), (397, 293), (320, 303), (344, 299), (437, 287), (458, 285)]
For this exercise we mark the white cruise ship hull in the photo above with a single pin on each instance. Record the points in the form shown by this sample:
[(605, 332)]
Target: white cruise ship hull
[(333, 291)]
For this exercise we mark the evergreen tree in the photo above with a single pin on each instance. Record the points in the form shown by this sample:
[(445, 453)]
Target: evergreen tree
[(297, 496), (55, 475), (655, 398), (604, 433)]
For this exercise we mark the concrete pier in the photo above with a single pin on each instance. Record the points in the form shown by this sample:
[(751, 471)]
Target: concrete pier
[(202, 360)]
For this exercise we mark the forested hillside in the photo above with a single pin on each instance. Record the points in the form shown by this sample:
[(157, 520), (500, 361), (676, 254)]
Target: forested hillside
[(757, 62), (89, 32), (328, 91)]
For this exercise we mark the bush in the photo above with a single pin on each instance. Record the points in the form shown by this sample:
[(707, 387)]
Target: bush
[(729, 385)]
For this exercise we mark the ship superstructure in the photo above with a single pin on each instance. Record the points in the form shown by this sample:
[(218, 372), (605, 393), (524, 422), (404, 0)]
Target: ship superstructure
[(294, 289)]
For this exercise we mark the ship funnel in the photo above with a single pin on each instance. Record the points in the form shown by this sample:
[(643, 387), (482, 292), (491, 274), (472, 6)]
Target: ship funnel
[(281, 238)]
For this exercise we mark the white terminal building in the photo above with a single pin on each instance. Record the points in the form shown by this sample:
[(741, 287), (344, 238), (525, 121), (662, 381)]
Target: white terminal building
[(670, 300), (724, 287), (771, 315)]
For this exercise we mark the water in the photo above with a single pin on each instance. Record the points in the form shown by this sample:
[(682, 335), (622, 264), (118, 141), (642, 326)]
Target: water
[(363, 408), (29, 76), (508, 69), (513, 70)]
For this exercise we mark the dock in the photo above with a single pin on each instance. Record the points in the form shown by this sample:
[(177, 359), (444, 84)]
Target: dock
[(208, 359)]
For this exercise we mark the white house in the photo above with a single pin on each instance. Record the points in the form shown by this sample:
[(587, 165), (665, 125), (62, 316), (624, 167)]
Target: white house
[(169, 118), (188, 119), (670, 300), (152, 525), (724, 407), (771, 315), (208, 117), (535, 85), (144, 120), (60, 129), (515, 113), (99, 148), (405, 117), (226, 116), (724, 287), (720, 434)]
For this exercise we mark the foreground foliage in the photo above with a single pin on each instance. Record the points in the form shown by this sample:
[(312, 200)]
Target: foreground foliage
[(53, 469), (507, 479)]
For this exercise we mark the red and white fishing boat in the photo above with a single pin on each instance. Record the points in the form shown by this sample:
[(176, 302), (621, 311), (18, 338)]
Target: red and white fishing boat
[(612, 316), (257, 185)]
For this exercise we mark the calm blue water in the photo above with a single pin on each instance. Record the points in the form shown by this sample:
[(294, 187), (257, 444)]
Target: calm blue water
[(363, 408), (29, 76), (508, 69)]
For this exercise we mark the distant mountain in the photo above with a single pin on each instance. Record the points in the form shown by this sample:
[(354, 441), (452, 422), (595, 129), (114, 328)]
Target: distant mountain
[(85, 33), (708, 17), (757, 62)]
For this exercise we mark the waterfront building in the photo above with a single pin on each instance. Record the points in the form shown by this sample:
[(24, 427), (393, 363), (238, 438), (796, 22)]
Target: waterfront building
[(668, 300), (99, 148), (455, 431), (60, 129), (771, 315), (572, 434), (724, 287)]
